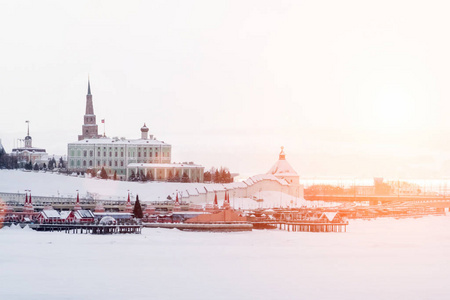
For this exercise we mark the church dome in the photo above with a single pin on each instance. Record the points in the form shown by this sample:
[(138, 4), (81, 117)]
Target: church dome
[(282, 168), (144, 128), (27, 138)]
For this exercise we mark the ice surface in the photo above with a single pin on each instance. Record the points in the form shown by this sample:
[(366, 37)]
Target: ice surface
[(380, 259)]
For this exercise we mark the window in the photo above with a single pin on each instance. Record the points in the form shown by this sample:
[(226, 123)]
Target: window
[(90, 163), (121, 163), (115, 154), (110, 163), (78, 163), (98, 163), (84, 153), (121, 154), (104, 153), (156, 154), (115, 163), (139, 154), (150, 154), (71, 163), (84, 163), (98, 153), (91, 153), (145, 154), (110, 154)]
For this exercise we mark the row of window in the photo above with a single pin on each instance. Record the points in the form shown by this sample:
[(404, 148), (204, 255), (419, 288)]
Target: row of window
[(91, 164), (116, 154)]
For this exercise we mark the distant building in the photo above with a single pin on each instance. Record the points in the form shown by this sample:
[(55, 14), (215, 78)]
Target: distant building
[(283, 170), (116, 154), (122, 156), (29, 153)]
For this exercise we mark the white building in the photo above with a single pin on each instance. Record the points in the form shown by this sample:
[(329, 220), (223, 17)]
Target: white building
[(122, 156), (283, 170), (29, 153), (116, 154)]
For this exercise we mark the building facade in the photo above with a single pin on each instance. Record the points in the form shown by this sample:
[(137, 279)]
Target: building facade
[(28, 153), (124, 157), (116, 154)]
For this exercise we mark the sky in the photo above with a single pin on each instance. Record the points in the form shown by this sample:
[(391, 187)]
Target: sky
[(351, 89)]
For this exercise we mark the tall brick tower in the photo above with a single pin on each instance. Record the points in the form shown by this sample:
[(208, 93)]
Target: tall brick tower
[(90, 127)]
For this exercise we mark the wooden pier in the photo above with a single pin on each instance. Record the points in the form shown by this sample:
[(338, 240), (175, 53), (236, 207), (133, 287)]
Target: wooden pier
[(88, 228), (203, 227), (308, 226)]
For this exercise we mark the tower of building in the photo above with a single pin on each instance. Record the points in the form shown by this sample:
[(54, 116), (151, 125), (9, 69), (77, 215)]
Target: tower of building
[(90, 127), (28, 139)]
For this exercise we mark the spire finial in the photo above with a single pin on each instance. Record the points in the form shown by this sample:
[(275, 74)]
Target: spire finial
[(89, 86), (28, 130), (282, 155)]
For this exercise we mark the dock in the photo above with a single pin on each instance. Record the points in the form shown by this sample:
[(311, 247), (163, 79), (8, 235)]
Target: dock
[(88, 228), (304, 226), (202, 227)]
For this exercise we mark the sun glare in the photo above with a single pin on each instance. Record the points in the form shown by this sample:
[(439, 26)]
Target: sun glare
[(393, 109)]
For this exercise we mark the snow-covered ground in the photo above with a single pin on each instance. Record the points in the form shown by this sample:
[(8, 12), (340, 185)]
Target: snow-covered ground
[(379, 259), (53, 184), (58, 185)]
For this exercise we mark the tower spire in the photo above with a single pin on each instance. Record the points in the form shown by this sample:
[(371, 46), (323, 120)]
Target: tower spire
[(89, 128), (28, 127)]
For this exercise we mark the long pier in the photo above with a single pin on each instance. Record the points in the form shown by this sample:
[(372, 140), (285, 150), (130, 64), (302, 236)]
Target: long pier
[(88, 228), (203, 227), (305, 226)]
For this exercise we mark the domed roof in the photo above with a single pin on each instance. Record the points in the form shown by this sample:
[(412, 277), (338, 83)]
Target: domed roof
[(108, 220), (144, 128), (27, 138), (282, 167)]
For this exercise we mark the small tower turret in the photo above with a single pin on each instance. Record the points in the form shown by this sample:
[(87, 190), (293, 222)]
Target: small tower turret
[(144, 132)]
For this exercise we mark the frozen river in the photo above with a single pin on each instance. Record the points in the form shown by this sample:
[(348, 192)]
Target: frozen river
[(381, 259)]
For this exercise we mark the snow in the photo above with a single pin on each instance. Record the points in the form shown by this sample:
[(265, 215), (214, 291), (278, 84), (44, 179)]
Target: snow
[(120, 142), (51, 213), (282, 167), (53, 184), (64, 214), (330, 215), (381, 259), (48, 184)]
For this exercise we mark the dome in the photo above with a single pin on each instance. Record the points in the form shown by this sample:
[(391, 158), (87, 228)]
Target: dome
[(282, 167), (144, 128), (27, 138), (107, 220)]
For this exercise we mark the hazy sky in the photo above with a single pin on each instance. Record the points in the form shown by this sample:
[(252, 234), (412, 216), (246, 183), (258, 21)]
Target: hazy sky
[(349, 88)]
